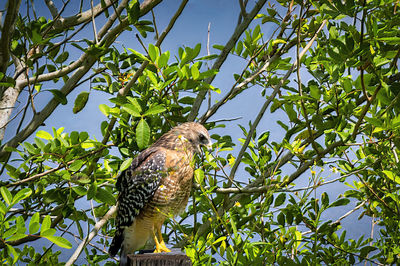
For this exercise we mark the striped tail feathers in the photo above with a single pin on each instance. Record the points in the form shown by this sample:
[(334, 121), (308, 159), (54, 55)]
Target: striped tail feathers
[(116, 242)]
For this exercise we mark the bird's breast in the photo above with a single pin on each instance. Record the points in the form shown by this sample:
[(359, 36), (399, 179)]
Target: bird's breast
[(173, 193)]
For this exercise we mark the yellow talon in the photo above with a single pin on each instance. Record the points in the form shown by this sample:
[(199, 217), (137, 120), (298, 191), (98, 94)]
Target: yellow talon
[(160, 245)]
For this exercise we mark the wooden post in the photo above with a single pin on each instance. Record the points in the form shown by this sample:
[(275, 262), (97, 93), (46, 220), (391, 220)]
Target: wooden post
[(173, 258)]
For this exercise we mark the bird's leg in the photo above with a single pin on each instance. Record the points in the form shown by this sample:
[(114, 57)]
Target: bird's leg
[(160, 244)]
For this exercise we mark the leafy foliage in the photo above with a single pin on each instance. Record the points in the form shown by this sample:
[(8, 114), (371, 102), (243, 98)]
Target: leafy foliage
[(329, 69)]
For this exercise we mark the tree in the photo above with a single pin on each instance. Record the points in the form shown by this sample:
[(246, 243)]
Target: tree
[(340, 127)]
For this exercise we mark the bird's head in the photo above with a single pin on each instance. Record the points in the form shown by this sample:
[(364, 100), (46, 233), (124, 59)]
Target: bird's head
[(194, 134)]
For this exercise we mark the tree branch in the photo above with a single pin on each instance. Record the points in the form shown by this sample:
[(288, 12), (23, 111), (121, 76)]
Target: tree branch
[(123, 92), (68, 22), (224, 54), (92, 234), (87, 62), (269, 100), (52, 8), (30, 238), (6, 35)]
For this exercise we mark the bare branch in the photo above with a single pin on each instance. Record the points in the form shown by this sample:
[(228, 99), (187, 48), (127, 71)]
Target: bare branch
[(224, 54), (341, 217), (6, 35), (92, 234), (52, 8), (96, 40), (87, 62), (64, 23), (269, 100)]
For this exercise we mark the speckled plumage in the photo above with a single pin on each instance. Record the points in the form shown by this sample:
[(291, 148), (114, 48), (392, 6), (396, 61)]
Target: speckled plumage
[(157, 184)]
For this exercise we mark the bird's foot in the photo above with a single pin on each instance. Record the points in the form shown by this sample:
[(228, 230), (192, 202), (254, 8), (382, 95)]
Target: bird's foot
[(161, 247)]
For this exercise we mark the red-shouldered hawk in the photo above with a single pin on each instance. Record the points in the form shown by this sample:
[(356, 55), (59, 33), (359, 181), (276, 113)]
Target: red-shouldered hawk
[(157, 183)]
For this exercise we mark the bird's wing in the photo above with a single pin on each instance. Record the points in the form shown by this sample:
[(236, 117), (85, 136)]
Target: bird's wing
[(137, 185)]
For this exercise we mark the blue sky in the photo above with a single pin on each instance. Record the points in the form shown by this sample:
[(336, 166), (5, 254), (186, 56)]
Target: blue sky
[(190, 29)]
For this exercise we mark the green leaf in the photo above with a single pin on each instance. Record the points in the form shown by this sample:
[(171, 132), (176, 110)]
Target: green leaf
[(195, 72), (21, 225), (199, 176), (16, 236), (81, 191), (280, 199), (59, 96), (48, 232), (92, 190), (196, 50), (133, 10), (75, 166), (281, 219), (103, 195), (9, 232), (155, 110), (390, 40), (83, 136), (315, 92), (46, 223), (153, 52), (44, 135), (162, 61), (30, 148), (340, 202), (22, 194), (59, 241), (325, 199), (33, 227), (80, 101), (126, 164), (14, 253), (392, 176), (62, 57), (142, 134), (3, 209), (141, 56), (364, 251), (220, 239), (218, 46), (104, 109), (7, 82), (132, 110), (6, 195), (40, 143)]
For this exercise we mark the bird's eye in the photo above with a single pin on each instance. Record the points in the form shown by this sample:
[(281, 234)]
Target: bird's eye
[(203, 138)]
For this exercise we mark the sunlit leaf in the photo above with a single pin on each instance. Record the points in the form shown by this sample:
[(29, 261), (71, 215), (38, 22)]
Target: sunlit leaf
[(142, 134)]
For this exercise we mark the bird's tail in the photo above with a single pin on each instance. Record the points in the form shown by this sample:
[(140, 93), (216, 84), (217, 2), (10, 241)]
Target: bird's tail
[(116, 243)]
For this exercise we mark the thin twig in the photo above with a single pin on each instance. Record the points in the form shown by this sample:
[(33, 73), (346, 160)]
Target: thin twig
[(208, 38), (223, 55), (155, 25), (123, 92), (94, 23), (269, 100), (91, 235), (337, 222), (61, 166)]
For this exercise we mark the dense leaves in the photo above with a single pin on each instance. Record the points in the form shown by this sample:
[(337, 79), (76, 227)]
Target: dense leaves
[(328, 83)]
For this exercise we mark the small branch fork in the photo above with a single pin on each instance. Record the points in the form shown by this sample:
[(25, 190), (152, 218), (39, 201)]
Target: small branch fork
[(91, 235), (80, 66)]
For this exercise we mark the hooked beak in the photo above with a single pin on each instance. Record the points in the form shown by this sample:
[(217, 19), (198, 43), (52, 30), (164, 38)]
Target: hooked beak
[(209, 146)]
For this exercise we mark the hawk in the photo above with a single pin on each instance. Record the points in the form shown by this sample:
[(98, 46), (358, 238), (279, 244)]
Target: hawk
[(157, 183)]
